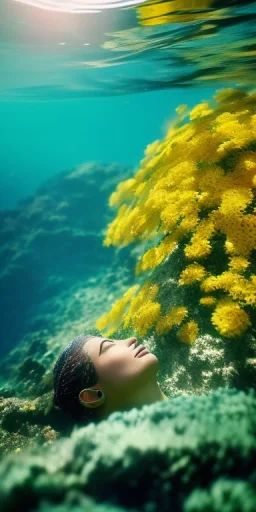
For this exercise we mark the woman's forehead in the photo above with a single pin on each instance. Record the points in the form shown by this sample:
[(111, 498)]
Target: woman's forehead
[(92, 345)]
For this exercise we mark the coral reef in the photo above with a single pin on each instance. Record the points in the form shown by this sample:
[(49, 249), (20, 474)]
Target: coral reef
[(55, 277), (55, 280), (204, 459), (193, 198), (25, 423), (51, 252), (190, 209)]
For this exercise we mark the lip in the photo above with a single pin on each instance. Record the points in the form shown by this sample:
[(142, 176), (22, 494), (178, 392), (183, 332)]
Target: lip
[(141, 350)]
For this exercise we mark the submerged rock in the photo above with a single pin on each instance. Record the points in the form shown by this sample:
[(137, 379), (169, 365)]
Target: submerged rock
[(189, 453), (51, 245), (28, 423)]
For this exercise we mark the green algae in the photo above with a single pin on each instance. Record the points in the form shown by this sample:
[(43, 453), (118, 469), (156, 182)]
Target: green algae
[(189, 453)]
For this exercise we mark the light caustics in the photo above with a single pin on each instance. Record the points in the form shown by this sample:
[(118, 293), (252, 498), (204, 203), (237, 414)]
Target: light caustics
[(80, 6)]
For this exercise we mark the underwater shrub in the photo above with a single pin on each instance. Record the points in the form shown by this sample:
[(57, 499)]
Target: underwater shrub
[(186, 454), (192, 204)]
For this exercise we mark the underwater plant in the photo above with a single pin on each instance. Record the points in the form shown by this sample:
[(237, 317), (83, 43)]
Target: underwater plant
[(192, 203), (188, 454), (155, 12)]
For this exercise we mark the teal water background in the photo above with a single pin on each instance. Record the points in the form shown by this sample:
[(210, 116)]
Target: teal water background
[(43, 138), (101, 86)]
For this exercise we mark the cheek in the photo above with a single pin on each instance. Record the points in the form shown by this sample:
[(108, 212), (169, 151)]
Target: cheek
[(120, 369)]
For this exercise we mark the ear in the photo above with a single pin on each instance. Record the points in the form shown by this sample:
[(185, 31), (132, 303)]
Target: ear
[(87, 396)]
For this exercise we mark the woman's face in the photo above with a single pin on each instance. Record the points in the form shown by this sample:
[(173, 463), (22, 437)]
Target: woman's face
[(119, 365)]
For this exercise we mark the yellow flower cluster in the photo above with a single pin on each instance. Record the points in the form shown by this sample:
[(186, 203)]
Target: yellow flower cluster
[(124, 190), (173, 317), (238, 263), (230, 319), (188, 332), (156, 12), (200, 244), (200, 111), (208, 301), (146, 317), (191, 274), (236, 286), (197, 185), (154, 256), (142, 310), (114, 317)]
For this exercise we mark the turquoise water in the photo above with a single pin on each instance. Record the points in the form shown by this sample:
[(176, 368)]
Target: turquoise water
[(82, 86), (41, 139)]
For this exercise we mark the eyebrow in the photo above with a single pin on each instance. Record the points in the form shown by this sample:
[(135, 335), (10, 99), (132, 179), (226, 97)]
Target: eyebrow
[(105, 339)]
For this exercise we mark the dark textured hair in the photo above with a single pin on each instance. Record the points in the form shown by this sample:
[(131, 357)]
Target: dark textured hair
[(74, 371)]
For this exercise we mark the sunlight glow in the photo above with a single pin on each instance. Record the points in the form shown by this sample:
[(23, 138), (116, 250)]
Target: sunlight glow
[(80, 6)]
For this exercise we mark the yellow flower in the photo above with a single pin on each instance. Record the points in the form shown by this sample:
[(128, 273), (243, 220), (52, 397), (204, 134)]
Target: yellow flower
[(200, 110), (229, 319), (238, 263), (170, 216), (146, 317), (226, 280), (203, 146), (207, 301), (235, 200), (239, 229), (139, 189), (229, 247), (199, 249), (167, 246), (156, 12), (123, 192), (157, 199), (234, 284), (154, 256), (181, 109), (152, 148), (173, 317), (212, 183), (114, 316), (188, 332), (193, 192), (209, 284), (191, 274), (200, 245), (189, 223), (148, 292), (244, 290), (150, 259)]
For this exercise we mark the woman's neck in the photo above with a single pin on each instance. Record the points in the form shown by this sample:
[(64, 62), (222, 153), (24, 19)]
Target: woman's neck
[(147, 395), (150, 394)]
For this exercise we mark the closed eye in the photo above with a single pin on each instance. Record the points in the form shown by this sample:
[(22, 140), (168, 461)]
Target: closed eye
[(106, 348), (103, 341)]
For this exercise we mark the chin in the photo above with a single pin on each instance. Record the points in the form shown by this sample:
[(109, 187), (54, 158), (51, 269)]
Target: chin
[(152, 356), (151, 360)]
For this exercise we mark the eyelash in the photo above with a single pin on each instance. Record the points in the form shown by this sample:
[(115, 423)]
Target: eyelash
[(106, 348)]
